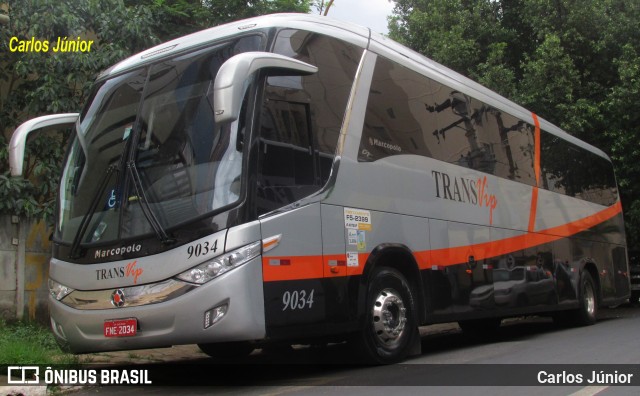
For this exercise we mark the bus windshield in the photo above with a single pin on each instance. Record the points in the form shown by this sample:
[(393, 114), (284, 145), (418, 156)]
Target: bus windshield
[(158, 121)]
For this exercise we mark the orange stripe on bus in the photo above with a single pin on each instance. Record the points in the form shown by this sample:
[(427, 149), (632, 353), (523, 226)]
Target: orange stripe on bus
[(312, 267), (481, 251), (291, 268), (536, 168), (533, 209), (536, 142)]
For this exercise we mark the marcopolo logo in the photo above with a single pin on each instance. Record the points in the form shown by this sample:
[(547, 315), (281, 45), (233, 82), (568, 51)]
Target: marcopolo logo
[(117, 298), (388, 146), (117, 251)]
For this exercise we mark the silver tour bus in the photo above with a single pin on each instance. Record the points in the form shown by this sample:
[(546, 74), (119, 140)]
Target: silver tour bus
[(291, 178)]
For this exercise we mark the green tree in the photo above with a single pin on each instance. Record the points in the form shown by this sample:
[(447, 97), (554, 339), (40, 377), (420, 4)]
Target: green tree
[(175, 18), (573, 62), (36, 83), (623, 102), (323, 6)]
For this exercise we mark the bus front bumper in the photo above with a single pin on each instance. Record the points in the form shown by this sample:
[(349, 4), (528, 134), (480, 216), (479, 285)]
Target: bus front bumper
[(181, 320)]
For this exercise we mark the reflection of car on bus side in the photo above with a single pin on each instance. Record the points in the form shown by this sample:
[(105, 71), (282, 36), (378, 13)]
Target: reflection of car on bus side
[(482, 297), (521, 286), (634, 268)]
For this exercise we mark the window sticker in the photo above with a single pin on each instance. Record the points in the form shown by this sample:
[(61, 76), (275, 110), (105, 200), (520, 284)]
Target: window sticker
[(357, 219), (352, 259), (352, 236), (362, 244)]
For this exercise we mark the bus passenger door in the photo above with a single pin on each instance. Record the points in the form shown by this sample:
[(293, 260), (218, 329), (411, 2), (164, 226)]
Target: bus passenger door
[(290, 221)]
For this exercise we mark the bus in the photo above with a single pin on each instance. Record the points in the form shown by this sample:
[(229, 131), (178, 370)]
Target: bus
[(291, 178)]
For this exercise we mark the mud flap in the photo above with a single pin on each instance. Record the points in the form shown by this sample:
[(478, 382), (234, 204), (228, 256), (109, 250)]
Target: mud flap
[(415, 345)]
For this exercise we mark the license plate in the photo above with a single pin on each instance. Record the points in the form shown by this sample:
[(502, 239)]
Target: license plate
[(120, 327)]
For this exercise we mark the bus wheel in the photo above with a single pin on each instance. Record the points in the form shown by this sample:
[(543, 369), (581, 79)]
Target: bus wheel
[(227, 350), (586, 313), (390, 326)]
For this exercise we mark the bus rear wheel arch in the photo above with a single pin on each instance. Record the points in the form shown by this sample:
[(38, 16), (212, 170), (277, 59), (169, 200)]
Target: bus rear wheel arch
[(390, 327)]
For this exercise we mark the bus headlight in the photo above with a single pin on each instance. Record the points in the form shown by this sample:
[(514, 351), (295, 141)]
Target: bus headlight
[(57, 290), (208, 270)]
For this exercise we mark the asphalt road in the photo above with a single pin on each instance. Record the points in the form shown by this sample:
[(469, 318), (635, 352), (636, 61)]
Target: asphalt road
[(451, 363)]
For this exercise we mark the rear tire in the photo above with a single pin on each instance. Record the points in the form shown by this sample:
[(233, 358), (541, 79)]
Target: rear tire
[(587, 312), (390, 327), (228, 350)]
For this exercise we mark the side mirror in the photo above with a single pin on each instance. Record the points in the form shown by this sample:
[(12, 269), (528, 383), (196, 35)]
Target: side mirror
[(228, 88), (18, 141)]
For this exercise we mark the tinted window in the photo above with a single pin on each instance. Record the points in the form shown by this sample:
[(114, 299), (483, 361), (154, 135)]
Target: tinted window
[(459, 119), (327, 91), (505, 145), (408, 113), (397, 120), (302, 117), (287, 171), (571, 170), (162, 117)]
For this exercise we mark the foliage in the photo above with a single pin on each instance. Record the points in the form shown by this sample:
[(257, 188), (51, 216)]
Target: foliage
[(623, 132), (175, 18), (323, 6), (30, 343), (573, 62), (37, 83)]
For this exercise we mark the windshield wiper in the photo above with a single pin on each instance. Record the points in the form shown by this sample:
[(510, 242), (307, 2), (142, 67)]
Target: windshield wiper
[(144, 204), (75, 251), (84, 224)]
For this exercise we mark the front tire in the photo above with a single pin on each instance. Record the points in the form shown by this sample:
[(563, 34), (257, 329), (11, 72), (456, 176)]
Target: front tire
[(390, 322)]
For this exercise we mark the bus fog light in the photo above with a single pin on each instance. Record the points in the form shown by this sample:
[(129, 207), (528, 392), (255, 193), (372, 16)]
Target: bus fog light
[(208, 270), (58, 330), (214, 315), (57, 290)]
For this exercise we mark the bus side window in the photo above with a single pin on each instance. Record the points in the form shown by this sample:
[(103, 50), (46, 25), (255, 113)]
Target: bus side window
[(286, 161), (396, 119), (302, 117)]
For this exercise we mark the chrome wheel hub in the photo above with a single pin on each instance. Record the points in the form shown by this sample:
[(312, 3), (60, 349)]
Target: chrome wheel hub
[(590, 300), (389, 317)]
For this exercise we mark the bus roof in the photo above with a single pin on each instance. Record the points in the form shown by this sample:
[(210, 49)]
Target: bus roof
[(352, 33)]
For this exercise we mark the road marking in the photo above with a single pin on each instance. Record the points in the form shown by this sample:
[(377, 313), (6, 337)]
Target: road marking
[(589, 391)]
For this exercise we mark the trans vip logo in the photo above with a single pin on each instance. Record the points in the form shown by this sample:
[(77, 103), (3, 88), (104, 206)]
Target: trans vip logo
[(473, 192)]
